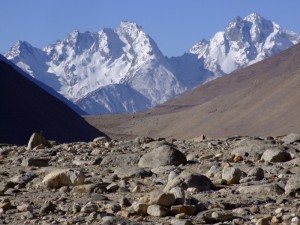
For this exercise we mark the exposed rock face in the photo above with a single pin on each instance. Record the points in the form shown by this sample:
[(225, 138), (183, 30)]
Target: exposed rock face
[(245, 191)]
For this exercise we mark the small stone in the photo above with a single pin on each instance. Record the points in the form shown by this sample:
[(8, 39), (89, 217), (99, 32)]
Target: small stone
[(25, 207), (5, 186), (295, 220), (5, 204), (140, 208), (181, 222), (263, 221), (232, 175), (112, 187), (89, 208), (223, 216), (157, 210), (276, 219), (200, 138), (124, 202), (108, 144), (98, 197), (162, 199), (179, 194), (186, 209), (86, 188), (257, 172), (76, 208), (240, 211), (293, 185), (28, 215), (180, 216), (279, 210), (172, 175), (100, 140), (124, 213), (136, 189), (238, 158), (109, 220), (47, 208), (212, 171), (254, 209)]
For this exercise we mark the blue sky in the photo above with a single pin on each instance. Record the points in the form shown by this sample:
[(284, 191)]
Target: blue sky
[(175, 25)]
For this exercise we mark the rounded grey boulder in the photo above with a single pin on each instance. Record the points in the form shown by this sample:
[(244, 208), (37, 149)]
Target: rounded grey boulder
[(162, 156), (187, 180), (293, 185), (276, 155)]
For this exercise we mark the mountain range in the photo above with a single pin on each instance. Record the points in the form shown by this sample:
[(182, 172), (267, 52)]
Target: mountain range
[(122, 70)]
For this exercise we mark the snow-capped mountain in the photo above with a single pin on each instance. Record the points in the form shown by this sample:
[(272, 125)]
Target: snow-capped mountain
[(86, 68), (122, 70), (244, 42)]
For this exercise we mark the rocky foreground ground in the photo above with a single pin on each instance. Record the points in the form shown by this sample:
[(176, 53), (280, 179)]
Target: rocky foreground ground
[(237, 180)]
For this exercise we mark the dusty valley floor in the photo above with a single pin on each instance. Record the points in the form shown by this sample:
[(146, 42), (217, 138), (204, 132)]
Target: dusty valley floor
[(235, 180)]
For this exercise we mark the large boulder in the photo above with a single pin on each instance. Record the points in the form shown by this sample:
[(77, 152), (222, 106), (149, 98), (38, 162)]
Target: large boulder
[(157, 210), (128, 172), (63, 177), (250, 148), (162, 156), (276, 155), (261, 189), (121, 160), (232, 175), (37, 139), (187, 180), (293, 185), (161, 198), (290, 138)]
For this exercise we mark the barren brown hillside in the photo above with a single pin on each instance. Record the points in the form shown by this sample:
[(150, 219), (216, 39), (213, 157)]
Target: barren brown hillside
[(262, 99), (25, 108)]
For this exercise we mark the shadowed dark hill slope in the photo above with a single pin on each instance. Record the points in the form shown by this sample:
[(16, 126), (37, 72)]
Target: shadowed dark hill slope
[(26, 108), (262, 99)]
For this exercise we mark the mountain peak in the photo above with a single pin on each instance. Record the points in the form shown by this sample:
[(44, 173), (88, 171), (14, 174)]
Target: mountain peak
[(254, 17), (129, 26), (19, 47), (130, 30)]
